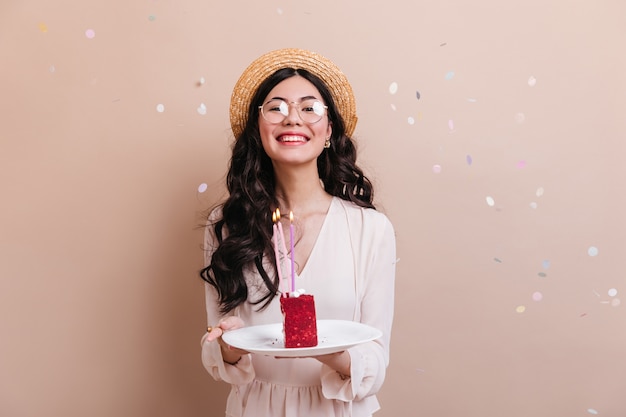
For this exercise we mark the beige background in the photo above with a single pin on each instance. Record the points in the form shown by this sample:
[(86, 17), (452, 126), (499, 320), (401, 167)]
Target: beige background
[(501, 179)]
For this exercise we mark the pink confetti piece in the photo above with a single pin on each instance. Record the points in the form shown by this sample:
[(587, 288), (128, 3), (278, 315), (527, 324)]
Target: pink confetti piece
[(437, 169), (468, 159), (90, 33), (537, 296)]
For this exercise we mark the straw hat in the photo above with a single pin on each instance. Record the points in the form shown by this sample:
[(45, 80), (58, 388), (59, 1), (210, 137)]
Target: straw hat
[(271, 62)]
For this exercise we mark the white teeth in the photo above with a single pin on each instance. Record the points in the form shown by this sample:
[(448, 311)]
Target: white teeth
[(292, 139)]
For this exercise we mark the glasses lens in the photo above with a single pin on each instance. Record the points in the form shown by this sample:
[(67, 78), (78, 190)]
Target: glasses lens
[(310, 111)]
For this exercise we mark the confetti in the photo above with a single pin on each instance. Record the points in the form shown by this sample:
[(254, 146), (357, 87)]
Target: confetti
[(418, 95), (160, 108), (533, 205), (52, 69), (545, 264), (615, 302), (411, 120), (532, 81), (537, 296), (201, 109), (449, 75), (539, 192), (437, 169), (497, 260), (521, 164), (612, 292), (279, 10), (592, 251), (393, 88), (542, 274), (592, 411), (520, 118), (202, 188), (202, 81), (393, 107), (43, 27), (90, 33), (152, 18), (451, 124), (520, 309), (490, 201), (468, 159)]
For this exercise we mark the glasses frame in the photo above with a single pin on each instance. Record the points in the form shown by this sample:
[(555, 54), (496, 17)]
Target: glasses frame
[(289, 104)]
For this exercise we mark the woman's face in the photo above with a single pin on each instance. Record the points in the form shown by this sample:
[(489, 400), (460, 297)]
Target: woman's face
[(293, 140)]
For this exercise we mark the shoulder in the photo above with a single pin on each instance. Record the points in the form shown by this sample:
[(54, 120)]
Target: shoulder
[(368, 218)]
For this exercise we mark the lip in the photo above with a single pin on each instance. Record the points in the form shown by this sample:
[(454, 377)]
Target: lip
[(292, 138)]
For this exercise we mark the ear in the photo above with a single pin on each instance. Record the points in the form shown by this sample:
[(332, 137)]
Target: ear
[(329, 130)]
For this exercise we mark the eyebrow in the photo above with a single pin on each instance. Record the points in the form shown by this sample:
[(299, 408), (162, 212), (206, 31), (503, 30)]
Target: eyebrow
[(284, 99)]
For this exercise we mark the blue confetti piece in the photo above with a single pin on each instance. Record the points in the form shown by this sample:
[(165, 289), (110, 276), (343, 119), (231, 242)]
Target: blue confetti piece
[(450, 75)]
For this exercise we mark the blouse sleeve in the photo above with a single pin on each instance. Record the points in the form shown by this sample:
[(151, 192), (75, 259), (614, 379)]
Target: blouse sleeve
[(369, 361), (242, 372)]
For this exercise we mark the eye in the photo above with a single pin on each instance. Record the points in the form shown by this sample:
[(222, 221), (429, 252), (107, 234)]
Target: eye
[(313, 107)]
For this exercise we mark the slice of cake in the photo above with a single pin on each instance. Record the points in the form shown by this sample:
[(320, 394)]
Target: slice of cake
[(299, 320)]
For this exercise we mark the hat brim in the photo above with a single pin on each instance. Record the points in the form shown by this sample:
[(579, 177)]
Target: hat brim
[(267, 64)]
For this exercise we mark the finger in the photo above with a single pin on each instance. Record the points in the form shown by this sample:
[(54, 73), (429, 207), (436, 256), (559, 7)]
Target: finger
[(214, 333)]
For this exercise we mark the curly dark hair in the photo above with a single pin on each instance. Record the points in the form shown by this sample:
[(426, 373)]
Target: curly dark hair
[(244, 229)]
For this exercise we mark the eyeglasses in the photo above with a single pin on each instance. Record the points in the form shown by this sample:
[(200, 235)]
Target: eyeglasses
[(310, 111)]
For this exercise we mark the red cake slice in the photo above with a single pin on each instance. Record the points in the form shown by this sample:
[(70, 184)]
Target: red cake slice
[(299, 321)]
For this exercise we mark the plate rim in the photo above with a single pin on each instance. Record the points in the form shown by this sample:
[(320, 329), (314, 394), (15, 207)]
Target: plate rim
[(308, 351)]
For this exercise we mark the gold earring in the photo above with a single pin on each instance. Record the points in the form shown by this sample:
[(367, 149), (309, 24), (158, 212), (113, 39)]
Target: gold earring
[(327, 143)]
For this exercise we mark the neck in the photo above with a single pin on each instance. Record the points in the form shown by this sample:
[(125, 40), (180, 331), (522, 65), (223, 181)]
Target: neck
[(299, 191)]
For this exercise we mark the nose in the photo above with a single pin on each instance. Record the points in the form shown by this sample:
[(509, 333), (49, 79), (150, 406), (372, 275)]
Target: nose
[(293, 116)]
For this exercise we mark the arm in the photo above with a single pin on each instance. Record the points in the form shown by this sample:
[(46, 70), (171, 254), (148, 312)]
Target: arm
[(222, 362), (368, 362)]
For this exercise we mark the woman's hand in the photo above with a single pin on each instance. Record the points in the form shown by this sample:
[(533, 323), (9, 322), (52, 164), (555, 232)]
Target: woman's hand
[(339, 361), (230, 354)]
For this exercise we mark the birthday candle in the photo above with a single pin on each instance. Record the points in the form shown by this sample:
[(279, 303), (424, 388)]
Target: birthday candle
[(281, 233), (276, 252), (293, 255)]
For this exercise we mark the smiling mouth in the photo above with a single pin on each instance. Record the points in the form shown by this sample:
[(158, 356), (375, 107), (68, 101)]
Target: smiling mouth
[(292, 139)]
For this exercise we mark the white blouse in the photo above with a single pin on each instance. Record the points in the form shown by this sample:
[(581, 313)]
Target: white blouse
[(350, 272)]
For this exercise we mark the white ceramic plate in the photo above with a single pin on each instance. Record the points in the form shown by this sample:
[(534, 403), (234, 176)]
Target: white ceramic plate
[(332, 336)]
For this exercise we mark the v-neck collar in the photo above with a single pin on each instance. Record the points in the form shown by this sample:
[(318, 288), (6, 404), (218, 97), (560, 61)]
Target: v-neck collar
[(318, 239)]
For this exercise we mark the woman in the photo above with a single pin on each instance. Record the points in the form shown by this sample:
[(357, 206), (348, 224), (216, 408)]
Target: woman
[(292, 113)]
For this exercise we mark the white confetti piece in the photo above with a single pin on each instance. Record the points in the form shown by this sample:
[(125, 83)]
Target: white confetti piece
[(393, 88), (202, 81), (533, 205), (532, 81), (160, 108), (539, 192), (411, 120), (520, 118), (592, 251), (490, 201), (592, 411), (201, 109), (612, 292), (520, 309), (202, 188)]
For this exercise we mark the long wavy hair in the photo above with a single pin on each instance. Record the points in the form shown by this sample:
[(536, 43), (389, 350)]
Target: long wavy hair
[(244, 230)]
